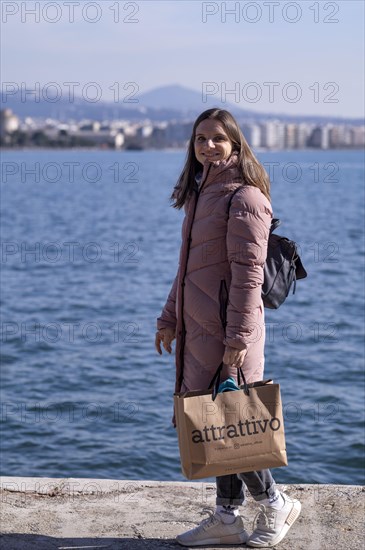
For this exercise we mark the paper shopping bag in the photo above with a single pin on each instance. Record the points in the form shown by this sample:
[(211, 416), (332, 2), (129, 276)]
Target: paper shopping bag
[(230, 432)]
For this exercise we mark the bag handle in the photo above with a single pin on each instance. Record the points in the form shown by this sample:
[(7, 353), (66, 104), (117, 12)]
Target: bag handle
[(245, 385), (215, 382)]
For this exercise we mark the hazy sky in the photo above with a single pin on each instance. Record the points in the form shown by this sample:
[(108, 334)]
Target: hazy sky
[(190, 43)]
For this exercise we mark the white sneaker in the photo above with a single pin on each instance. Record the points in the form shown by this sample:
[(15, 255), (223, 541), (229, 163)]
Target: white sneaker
[(272, 524), (213, 531)]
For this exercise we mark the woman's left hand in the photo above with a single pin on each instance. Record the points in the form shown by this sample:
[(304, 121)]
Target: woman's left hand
[(234, 357)]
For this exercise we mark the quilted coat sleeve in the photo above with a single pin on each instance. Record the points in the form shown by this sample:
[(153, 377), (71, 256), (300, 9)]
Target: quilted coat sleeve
[(247, 237), (168, 315)]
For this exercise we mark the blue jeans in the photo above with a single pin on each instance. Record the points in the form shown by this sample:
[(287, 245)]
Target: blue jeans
[(231, 490)]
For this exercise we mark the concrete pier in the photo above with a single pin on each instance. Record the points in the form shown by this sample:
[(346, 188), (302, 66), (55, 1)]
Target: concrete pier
[(44, 513)]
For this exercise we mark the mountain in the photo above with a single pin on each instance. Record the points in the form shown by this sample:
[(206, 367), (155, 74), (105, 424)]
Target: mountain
[(180, 98), (171, 102), (163, 103), (190, 102)]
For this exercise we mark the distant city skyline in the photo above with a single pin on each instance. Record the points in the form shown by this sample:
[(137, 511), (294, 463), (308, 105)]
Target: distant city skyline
[(303, 58), (145, 134)]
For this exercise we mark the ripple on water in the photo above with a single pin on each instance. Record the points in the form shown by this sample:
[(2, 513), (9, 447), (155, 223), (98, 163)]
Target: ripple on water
[(105, 406)]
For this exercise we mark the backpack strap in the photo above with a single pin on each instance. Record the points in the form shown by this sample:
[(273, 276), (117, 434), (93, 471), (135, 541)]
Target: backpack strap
[(231, 197), (275, 222)]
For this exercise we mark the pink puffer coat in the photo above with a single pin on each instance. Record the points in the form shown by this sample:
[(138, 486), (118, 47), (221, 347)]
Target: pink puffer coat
[(216, 296)]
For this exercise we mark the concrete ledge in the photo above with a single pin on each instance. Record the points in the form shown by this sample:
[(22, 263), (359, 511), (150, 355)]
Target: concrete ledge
[(64, 513)]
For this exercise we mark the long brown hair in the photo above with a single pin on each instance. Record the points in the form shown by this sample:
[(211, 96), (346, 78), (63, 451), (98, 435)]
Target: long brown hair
[(253, 173)]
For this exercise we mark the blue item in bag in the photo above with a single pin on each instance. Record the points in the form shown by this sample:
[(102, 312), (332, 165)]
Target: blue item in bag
[(228, 385)]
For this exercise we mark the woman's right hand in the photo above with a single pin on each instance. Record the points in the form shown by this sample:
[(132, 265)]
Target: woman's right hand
[(234, 357), (166, 336)]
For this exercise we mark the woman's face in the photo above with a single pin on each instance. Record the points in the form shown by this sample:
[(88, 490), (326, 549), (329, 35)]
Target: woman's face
[(211, 141)]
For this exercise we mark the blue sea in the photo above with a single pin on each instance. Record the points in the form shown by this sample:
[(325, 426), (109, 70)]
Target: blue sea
[(89, 250)]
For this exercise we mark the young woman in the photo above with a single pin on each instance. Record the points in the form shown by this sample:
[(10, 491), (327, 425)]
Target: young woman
[(214, 308)]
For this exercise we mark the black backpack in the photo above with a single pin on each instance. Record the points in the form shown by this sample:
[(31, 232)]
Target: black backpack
[(282, 268)]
